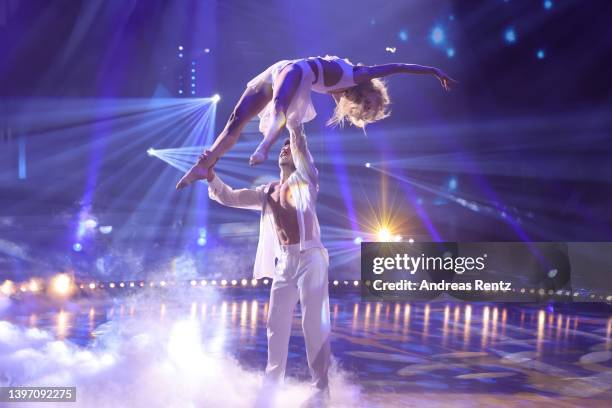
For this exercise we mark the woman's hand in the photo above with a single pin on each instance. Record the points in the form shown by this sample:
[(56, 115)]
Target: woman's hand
[(446, 81)]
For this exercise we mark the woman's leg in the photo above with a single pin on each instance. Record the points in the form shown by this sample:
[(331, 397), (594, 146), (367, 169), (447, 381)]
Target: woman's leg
[(252, 101), (286, 86)]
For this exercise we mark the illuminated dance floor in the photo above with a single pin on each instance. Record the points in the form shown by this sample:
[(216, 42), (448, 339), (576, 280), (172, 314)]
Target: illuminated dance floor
[(431, 354)]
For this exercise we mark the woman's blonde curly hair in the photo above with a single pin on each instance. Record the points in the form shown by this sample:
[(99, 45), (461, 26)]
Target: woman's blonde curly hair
[(362, 104)]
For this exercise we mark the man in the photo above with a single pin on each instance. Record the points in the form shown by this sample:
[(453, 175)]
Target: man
[(291, 253)]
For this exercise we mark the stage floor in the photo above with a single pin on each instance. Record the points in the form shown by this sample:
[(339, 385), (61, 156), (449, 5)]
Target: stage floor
[(392, 354)]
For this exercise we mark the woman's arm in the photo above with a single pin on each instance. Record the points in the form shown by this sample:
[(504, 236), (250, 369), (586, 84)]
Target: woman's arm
[(366, 73)]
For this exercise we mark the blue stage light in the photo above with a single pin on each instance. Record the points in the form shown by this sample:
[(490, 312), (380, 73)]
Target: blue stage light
[(77, 247), (151, 151), (368, 165), (193, 92), (450, 52), (452, 183), (216, 98), (192, 69), (510, 35), (106, 229), (180, 48), (180, 55), (193, 85), (548, 4), (403, 35), (437, 35), (541, 54), (180, 91), (358, 241), (201, 241), (193, 77)]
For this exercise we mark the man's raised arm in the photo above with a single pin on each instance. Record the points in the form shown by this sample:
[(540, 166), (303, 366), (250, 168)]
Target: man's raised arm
[(247, 198), (302, 159)]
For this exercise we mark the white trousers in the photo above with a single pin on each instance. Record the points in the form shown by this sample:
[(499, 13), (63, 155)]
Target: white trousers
[(299, 276)]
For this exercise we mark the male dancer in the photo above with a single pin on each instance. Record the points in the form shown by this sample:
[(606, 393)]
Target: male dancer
[(289, 251)]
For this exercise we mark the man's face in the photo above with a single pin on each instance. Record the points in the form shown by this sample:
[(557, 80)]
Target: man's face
[(284, 158)]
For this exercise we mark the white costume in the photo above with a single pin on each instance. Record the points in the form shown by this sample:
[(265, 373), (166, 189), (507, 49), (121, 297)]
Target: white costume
[(300, 270), (301, 109)]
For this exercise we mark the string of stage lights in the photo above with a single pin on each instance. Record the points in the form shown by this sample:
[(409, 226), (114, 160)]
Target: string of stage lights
[(63, 286)]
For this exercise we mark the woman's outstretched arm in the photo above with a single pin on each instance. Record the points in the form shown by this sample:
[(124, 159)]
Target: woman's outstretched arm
[(366, 73)]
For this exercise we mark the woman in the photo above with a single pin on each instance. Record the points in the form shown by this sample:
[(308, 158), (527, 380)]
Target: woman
[(281, 97)]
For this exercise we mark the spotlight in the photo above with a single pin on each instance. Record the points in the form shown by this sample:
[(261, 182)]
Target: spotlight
[(216, 98), (540, 54), (403, 35), (122, 284), (223, 282), (33, 286), (548, 4), (150, 150), (450, 52), (7, 288), (244, 282), (253, 282), (383, 235), (336, 283), (411, 241), (234, 282), (452, 183), (358, 241), (180, 55), (193, 283), (106, 229), (397, 238), (437, 35), (206, 50), (180, 48), (111, 285), (510, 35), (356, 283), (77, 247), (203, 282), (265, 282), (62, 284), (92, 286), (131, 284), (90, 223), (162, 283), (201, 241), (368, 164)]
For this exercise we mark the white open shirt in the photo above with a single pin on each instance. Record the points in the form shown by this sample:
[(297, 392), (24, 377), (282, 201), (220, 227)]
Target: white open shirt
[(304, 187)]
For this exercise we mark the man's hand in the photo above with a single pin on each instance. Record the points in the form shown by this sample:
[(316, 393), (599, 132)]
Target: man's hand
[(211, 172), (446, 81)]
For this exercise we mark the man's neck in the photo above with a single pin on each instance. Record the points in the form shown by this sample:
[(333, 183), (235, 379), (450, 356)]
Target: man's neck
[(285, 172)]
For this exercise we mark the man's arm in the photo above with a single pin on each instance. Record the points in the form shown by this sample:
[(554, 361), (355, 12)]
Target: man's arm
[(302, 159), (366, 73), (247, 198)]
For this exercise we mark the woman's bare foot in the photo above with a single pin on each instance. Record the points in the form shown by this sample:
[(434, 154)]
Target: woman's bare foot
[(260, 155), (198, 171)]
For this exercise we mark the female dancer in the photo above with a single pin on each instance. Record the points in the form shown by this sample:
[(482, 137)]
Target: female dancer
[(281, 96)]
